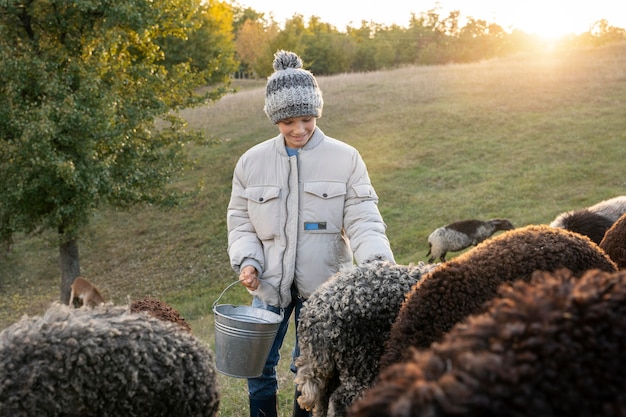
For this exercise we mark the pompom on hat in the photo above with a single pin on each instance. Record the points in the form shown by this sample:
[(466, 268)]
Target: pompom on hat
[(291, 91)]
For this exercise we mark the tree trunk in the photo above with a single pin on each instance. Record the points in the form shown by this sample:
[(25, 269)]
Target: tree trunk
[(70, 267)]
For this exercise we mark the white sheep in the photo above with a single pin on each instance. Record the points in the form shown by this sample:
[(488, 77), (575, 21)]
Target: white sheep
[(462, 234)]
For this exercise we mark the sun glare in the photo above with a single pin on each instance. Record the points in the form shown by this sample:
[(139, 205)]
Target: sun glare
[(551, 22), (550, 19)]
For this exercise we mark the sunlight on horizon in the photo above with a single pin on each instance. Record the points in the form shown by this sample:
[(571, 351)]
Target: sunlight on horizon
[(547, 18)]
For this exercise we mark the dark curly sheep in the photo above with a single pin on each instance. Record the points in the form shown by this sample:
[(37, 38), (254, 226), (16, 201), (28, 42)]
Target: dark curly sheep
[(614, 242), (551, 347), (462, 285), (159, 309), (104, 362), (585, 222), (342, 329), (592, 221)]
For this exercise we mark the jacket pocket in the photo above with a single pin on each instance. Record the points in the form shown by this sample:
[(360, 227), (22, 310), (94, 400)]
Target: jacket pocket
[(322, 210), (264, 210), (365, 191)]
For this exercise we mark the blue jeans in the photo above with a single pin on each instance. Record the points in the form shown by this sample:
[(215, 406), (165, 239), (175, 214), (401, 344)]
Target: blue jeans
[(266, 385)]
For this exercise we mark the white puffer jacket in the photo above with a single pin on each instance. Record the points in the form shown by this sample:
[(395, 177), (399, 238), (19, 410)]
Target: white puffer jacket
[(302, 218)]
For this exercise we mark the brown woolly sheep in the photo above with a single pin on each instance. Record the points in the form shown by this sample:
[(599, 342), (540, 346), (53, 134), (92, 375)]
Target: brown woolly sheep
[(614, 242), (461, 286), (159, 309), (551, 347)]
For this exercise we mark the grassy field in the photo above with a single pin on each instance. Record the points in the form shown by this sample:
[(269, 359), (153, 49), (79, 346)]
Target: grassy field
[(523, 138)]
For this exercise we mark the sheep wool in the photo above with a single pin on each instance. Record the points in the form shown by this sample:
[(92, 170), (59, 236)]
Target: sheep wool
[(613, 208), (462, 234), (104, 362), (585, 222), (592, 221), (341, 332), (550, 347), (159, 309), (614, 242), (461, 286)]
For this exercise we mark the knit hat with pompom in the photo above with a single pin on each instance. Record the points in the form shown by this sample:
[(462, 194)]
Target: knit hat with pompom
[(291, 91)]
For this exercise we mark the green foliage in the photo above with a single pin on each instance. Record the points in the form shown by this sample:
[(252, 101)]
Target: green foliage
[(208, 47), (81, 86), (429, 39)]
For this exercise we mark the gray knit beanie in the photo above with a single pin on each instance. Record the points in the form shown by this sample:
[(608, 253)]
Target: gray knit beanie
[(291, 91)]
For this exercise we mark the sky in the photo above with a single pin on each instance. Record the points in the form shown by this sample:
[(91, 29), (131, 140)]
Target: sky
[(549, 18)]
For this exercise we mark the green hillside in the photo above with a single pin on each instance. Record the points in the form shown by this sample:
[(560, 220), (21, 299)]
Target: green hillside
[(523, 138)]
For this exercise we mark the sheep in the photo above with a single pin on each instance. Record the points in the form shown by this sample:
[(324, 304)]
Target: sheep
[(341, 331), (104, 362), (159, 309), (585, 222), (462, 234), (551, 347), (592, 221), (614, 242), (613, 208), (461, 286), (84, 294)]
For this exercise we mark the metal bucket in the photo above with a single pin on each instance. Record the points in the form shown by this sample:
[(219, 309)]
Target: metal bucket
[(243, 338)]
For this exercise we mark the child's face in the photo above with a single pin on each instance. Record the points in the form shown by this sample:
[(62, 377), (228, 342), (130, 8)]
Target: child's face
[(297, 130)]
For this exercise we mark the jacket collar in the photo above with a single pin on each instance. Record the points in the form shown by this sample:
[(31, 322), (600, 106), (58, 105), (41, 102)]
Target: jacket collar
[(316, 139)]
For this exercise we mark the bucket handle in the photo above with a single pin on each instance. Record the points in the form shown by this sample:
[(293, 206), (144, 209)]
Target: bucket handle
[(282, 310), (225, 289)]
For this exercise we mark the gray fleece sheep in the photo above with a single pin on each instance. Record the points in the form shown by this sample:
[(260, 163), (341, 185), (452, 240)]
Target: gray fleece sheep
[(104, 362), (592, 221), (614, 242), (462, 234), (461, 286), (342, 329), (551, 347)]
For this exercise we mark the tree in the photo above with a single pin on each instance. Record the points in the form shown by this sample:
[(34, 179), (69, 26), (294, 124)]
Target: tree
[(210, 45), (252, 43), (327, 51), (602, 33), (82, 83)]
